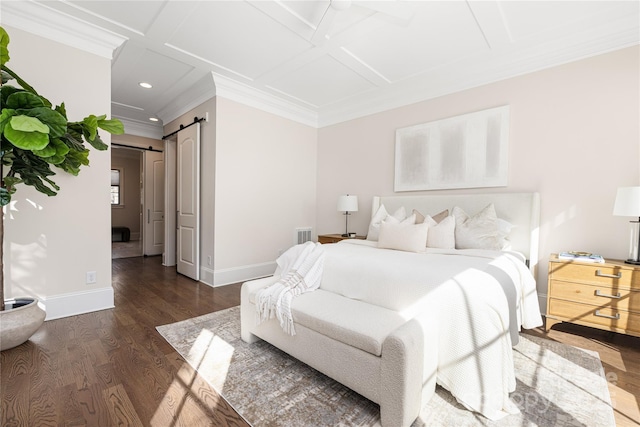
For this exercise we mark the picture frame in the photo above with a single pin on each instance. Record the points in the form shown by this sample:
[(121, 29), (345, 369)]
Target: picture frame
[(466, 151)]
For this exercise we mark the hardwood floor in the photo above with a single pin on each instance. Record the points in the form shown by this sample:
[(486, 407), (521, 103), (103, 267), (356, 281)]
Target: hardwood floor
[(620, 356), (113, 368)]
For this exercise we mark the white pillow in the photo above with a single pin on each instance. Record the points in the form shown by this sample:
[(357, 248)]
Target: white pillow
[(479, 231), (441, 235), (381, 215), (403, 236)]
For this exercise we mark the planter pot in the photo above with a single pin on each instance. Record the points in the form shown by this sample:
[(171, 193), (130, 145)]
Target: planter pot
[(21, 318)]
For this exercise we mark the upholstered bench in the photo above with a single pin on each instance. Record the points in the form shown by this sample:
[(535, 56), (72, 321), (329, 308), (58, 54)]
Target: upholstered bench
[(124, 232)]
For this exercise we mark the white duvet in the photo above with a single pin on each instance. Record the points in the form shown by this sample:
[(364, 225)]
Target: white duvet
[(482, 298)]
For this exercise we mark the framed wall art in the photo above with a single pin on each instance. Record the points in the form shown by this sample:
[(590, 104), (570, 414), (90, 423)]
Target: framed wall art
[(467, 151)]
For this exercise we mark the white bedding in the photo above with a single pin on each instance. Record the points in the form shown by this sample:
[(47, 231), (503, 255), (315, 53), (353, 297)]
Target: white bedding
[(470, 292)]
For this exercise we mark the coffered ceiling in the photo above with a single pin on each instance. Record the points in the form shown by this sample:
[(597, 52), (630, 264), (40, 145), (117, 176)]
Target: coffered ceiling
[(320, 62)]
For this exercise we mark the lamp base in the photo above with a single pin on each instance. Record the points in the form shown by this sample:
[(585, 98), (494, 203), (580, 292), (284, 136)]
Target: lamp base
[(632, 261)]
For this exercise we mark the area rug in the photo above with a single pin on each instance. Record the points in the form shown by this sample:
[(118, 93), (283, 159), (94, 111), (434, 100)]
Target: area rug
[(557, 385)]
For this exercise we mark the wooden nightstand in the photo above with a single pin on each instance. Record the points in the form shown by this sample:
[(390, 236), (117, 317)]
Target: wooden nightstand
[(600, 295), (335, 238)]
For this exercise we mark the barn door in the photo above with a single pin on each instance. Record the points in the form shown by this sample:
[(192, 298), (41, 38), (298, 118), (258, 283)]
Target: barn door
[(188, 202)]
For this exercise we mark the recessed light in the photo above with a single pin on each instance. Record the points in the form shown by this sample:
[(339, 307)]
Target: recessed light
[(153, 119), (145, 85)]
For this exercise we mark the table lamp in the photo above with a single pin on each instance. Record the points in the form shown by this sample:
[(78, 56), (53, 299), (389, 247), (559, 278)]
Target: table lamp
[(347, 204), (628, 204)]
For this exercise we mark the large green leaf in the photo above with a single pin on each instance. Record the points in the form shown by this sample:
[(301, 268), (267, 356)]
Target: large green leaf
[(28, 124), (47, 151), (55, 152), (54, 120), (61, 148), (98, 144), (11, 181), (34, 172), (74, 160), (6, 91), (27, 140), (5, 116), (113, 126), (90, 127), (4, 47), (23, 99), (62, 110)]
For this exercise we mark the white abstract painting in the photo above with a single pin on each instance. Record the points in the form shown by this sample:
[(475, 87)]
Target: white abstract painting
[(466, 151)]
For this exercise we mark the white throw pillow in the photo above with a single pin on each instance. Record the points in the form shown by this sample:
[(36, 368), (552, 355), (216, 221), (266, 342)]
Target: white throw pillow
[(403, 236), (441, 235), (479, 231), (381, 215)]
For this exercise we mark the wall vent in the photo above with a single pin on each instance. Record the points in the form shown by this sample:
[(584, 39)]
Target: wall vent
[(302, 235)]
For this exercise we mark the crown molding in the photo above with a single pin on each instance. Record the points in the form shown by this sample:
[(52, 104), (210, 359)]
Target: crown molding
[(147, 130), (44, 21), (202, 91), (261, 100)]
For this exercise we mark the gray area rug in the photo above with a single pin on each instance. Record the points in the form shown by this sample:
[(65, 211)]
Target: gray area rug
[(557, 385)]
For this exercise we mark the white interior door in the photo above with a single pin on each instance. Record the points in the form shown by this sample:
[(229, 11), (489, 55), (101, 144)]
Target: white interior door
[(188, 202), (153, 213)]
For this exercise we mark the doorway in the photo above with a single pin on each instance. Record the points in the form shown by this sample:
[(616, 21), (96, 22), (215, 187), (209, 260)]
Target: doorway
[(137, 202)]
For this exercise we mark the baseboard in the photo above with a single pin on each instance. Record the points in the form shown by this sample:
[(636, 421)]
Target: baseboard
[(72, 304), (228, 276)]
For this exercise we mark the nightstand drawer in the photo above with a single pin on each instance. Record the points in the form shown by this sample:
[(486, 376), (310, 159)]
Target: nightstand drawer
[(619, 320), (605, 274), (599, 295)]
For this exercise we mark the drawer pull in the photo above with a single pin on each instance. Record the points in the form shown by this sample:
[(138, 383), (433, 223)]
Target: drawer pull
[(600, 294), (616, 317), (612, 276)]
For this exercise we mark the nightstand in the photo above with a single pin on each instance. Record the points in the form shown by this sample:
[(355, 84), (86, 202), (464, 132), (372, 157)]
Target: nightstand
[(600, 295), (335, 238)]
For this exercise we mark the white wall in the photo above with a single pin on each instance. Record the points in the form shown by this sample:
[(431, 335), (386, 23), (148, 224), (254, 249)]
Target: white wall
[(574, 138), (51, 242), (265, 188), (258, 184)]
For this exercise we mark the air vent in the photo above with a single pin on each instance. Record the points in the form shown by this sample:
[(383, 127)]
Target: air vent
[(302, 235)]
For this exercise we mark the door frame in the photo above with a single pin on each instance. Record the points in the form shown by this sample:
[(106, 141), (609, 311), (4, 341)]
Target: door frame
[(170, 180)]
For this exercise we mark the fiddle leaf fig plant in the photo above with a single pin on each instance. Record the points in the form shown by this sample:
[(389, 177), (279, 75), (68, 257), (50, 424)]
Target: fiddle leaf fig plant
[(37, 137)]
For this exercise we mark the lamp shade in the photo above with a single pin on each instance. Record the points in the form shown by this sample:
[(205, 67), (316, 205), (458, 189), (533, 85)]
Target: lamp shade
[(348, 203), (627, 202)]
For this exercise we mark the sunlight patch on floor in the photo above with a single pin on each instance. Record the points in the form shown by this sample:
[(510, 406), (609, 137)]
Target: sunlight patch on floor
[(212, 357)]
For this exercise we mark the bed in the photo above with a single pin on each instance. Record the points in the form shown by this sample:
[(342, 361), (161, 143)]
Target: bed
[(390, 322)]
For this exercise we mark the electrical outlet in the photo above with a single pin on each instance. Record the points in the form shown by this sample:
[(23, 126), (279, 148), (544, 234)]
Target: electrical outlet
[(209, 261), (91, 277)]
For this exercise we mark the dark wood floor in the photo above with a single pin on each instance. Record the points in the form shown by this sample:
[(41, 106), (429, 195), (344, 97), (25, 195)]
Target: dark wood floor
[(113, 368)]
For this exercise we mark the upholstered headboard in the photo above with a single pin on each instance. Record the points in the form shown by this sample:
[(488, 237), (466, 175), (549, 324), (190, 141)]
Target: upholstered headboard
[(520, 209)]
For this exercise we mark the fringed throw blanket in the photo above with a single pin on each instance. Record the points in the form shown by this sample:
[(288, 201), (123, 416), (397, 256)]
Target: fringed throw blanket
[(300, 271)]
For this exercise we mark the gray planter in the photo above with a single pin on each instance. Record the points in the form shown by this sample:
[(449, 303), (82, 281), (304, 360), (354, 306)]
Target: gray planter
[(21, 318)]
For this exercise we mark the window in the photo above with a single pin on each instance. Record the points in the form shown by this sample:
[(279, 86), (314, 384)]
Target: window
[(116, 187)]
